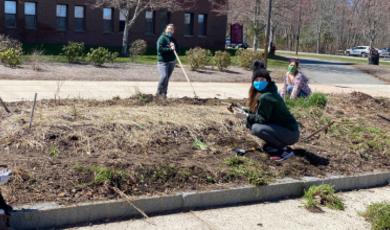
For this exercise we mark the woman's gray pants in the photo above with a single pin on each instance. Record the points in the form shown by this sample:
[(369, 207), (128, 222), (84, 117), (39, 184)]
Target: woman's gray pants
[(166, 69), (274, 135)]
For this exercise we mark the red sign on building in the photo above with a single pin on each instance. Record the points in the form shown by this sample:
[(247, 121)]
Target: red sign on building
[(236, 33)]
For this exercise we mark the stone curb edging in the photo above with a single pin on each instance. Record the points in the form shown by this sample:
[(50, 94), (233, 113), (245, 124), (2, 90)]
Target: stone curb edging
[(54, 217)]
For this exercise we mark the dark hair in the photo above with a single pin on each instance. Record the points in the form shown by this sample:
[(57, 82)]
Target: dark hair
[(254, 94), (295, 61)]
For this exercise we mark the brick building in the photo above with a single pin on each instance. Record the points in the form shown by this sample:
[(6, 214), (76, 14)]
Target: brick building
[(60, 21)]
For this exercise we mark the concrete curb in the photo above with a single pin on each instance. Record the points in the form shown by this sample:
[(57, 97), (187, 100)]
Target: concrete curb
[(37, 217)]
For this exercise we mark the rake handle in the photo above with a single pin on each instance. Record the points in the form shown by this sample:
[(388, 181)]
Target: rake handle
[(185, 74)]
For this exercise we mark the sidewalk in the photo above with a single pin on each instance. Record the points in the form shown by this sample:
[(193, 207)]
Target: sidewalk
[(284, 214), (24, 90)]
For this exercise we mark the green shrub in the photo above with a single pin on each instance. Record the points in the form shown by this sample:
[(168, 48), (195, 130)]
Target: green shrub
[(138, 47), (101, 55), (7, 43), (221, 60), (378, 214), (246, 58), (197, 57), (12, 57), (73, 50)]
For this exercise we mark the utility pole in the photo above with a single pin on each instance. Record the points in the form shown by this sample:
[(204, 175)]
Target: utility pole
[(267, 34)]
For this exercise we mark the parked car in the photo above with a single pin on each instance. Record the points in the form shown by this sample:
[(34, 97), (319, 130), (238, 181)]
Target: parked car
[(244, 45), (384, 52), (229, 44), (362, 51)]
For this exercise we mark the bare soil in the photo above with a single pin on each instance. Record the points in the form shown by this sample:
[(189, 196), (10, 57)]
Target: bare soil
[(147, 145), (381, 72), (126, 72)]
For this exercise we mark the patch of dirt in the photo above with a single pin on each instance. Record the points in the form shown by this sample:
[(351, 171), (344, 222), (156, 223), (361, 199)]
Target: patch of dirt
[(126, 72), (381, 72), (147, 145)]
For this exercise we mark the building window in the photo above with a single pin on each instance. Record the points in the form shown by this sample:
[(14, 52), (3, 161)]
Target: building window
[(107, 20), (79, 23), (62, 16), (122, 22), (149, 22), (165, 18), (10, 13), (188, 19), (30, 13), (202, 24)]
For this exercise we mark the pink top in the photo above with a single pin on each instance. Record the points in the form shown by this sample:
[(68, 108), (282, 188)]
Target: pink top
[(299, 82)]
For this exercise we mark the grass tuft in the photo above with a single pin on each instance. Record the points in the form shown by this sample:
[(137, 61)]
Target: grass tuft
[(322, 195), (316, 99), (378, 214)]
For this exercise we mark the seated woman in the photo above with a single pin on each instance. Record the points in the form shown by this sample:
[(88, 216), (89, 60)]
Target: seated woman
[(268, 116), (296, 82)]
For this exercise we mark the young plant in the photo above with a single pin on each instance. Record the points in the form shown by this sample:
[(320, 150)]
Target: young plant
[(322, 195), (378, 214), (54, 152), (221, 60), (73, 50), (101, 55), (37, 59)]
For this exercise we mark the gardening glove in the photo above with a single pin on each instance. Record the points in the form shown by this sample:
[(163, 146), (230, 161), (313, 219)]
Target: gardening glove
[(5, 175), (239, 113), (172, 46)]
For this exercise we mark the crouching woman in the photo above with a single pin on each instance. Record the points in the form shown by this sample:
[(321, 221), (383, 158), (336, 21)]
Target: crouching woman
[(268, 116)]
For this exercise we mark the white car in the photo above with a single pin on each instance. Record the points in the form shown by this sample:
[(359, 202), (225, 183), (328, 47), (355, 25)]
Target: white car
[(362, 51)]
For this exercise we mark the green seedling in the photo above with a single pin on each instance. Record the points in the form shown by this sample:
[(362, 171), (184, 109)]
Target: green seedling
[(54, 152), (199, 144)]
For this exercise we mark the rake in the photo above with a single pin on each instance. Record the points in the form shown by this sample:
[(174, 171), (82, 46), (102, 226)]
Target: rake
[(185, 74)]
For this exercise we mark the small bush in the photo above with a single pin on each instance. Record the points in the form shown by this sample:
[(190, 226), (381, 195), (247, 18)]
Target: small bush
[(197, 57), (37, 58), (12, 57), (378, 214), (7, 43), (221, 60), (73, 50), (246, 58), (322, 195), (101, 55), (138, 47)]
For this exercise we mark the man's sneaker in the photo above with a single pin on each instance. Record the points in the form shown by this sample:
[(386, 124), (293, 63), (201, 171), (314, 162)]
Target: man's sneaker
[(269, 149), (283, 155)]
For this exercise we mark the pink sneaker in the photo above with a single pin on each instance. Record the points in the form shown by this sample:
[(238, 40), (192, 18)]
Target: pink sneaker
[(280, 156)]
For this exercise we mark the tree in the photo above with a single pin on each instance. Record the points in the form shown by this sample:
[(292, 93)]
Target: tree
[(131, 9)]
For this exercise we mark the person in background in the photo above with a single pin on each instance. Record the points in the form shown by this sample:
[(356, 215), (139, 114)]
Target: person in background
[(166, 45), (296, 83), (268, 116)]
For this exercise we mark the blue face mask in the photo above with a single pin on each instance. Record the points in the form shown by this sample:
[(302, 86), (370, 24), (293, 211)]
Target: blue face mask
[(169, 33), (260, 85)]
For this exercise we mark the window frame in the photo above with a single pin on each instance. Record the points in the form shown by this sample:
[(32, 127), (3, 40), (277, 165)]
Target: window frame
[(191, 25), (30, 15), (78, 19), (111, 20), (62, 17), (122, 21), (15, 15), (203, 24), (163, 25), (153, 22)]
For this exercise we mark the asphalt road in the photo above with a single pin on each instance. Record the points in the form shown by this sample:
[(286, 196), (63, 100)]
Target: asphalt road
[(335, 73)]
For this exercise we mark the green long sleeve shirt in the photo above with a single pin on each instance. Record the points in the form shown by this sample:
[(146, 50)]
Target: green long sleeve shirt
[(272, 109), (164, 50)]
